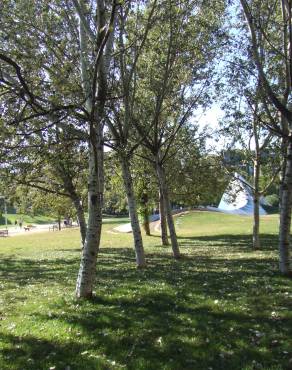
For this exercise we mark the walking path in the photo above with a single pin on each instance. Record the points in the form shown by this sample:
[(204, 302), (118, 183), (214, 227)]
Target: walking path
[(16, 230)]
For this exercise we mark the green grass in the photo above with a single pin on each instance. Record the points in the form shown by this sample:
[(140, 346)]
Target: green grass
[(223, 306), (27, 219)]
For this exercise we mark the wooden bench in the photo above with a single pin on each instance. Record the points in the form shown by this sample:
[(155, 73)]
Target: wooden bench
[(3, 233)]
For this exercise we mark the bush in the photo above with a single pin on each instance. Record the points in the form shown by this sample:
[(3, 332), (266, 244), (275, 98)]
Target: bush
[(272, 200)]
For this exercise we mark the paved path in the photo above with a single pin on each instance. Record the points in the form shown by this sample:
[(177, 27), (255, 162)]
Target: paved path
[(16, 230)]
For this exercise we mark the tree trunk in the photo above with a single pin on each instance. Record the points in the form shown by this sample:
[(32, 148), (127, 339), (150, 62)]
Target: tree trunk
[(138, 243), (285, 215), (144, 212), (59, 222), (256, 222), (163, 226), (146, 224), (81, 218), (87, 270), (284, 148), (256, 205), (75, 198), (166, 203), (94, 85)]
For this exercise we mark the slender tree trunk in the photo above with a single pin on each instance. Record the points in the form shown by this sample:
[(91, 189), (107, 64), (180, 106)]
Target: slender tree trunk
[(59, 222), (163, 226), (138, 243), (285, 215), (284, 148), (145, 213), (256, 205), (75, 198), (81, 218), (171, 227), (95, 90), (87, 270), (146, 224)]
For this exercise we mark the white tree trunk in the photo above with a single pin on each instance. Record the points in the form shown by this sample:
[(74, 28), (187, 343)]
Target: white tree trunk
[(284, 146), (163, 225), (138, 242), (81, 218), (95, 89), (87, 270), (285, 216), (171, 227), (256, 205)]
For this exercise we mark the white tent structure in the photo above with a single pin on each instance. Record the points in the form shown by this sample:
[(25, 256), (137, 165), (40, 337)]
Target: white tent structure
[(238, 198)]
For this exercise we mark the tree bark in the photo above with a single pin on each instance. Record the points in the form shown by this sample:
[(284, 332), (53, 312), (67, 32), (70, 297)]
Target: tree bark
[(87, 270), (256, 205), (146, 224), (163, 226), (75, 198), (144, 211), (95, 89), (285, 215), (128, 183), (81, 218), (166, 203), (284, 148), (59, 222), (256, 223)]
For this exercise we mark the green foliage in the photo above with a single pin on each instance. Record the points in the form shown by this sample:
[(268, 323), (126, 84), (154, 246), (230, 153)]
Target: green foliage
[(194, 176), (272, 200), (115, 200)]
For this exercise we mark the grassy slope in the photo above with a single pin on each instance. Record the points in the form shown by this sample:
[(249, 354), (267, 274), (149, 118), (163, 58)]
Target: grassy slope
[(27, 219), (222, 307)]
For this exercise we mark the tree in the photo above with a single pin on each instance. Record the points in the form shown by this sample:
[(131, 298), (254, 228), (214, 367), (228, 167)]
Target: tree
[(42, 91), (132, 31), (170, 83), (245, 126), (53, 163), (198, 177), (270, 31)]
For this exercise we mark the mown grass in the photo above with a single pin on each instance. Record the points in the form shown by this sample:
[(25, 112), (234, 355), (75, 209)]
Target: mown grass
[(223, 306)]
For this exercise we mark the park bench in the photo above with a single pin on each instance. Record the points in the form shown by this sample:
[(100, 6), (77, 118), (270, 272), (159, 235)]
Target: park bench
[(3, 233)]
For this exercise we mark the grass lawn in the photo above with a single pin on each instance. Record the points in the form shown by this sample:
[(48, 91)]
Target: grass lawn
[(222, 306), (27, 219)]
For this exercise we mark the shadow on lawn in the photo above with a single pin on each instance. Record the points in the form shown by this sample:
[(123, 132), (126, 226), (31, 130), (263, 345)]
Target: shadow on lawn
[(238, 243), (31, 271), (212, 309)]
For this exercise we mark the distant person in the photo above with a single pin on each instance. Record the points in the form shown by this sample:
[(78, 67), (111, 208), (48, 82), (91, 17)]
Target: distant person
[(20, 223), (15, 222)]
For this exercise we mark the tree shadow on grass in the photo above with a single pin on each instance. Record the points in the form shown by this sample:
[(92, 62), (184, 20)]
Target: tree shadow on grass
[(235, 243), (160, 330), (215, 308), (30, 271), (30, 352)]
